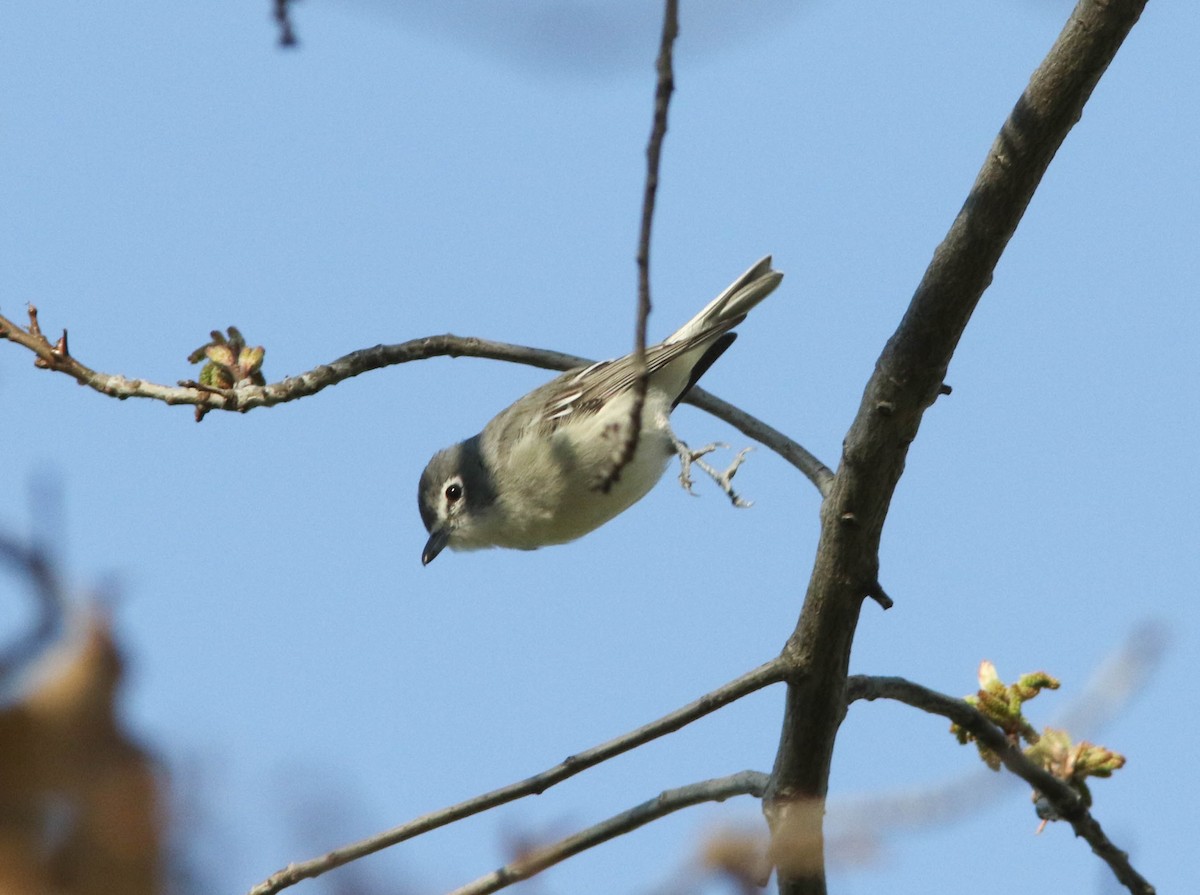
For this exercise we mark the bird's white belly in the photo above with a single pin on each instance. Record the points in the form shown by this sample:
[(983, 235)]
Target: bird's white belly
[(572, 503)]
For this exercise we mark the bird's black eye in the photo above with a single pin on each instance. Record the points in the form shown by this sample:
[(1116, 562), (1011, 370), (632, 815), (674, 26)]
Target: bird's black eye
[(453, 492)]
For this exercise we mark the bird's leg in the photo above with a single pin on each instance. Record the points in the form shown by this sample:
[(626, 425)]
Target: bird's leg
[(724, 480), (687, 457)]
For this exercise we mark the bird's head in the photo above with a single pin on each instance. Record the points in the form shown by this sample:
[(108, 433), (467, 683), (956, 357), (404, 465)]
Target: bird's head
[(454, 496)]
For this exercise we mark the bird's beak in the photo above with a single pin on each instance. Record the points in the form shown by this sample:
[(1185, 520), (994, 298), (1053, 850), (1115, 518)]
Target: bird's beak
[(437, 542)]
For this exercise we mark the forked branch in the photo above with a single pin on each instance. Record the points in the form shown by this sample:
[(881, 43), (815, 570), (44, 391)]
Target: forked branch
[(748, 683), (1067, 803)]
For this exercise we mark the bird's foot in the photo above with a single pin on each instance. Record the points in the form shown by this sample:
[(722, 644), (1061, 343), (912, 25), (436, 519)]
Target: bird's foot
[(724, 480)]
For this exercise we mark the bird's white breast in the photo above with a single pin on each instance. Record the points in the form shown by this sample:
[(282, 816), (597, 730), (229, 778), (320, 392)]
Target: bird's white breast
[(556, 480)]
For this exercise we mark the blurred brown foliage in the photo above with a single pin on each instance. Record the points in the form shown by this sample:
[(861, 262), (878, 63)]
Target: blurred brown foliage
[(80, 800)]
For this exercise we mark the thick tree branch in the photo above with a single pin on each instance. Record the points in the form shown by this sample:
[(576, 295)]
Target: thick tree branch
[(748, 683), (752, 783), (907, 378), (1065, 800), (246, 397)]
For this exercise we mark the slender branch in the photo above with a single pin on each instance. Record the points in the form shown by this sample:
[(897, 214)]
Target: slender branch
[(1066, 801), (658, 130), (246, 397), (748, 683), (907, 379), (751, 783)]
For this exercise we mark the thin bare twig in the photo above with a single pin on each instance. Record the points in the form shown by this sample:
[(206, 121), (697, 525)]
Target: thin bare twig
[(246, 397), (752, 783), (748, 683), (1066, 801), (658, 130)]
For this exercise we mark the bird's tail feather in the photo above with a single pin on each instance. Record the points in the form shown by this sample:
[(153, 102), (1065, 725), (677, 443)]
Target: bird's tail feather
[(729, 308)]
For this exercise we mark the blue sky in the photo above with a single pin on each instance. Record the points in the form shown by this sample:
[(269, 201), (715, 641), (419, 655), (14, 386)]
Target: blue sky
[(430, 167)]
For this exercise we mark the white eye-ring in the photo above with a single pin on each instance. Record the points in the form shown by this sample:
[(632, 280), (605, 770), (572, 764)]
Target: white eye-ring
[(454, 492)]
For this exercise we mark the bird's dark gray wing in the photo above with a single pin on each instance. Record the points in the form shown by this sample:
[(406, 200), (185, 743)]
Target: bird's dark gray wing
[(584, 390)]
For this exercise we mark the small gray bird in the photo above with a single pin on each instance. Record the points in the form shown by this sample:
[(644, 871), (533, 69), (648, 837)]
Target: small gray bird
[(534, 476)]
